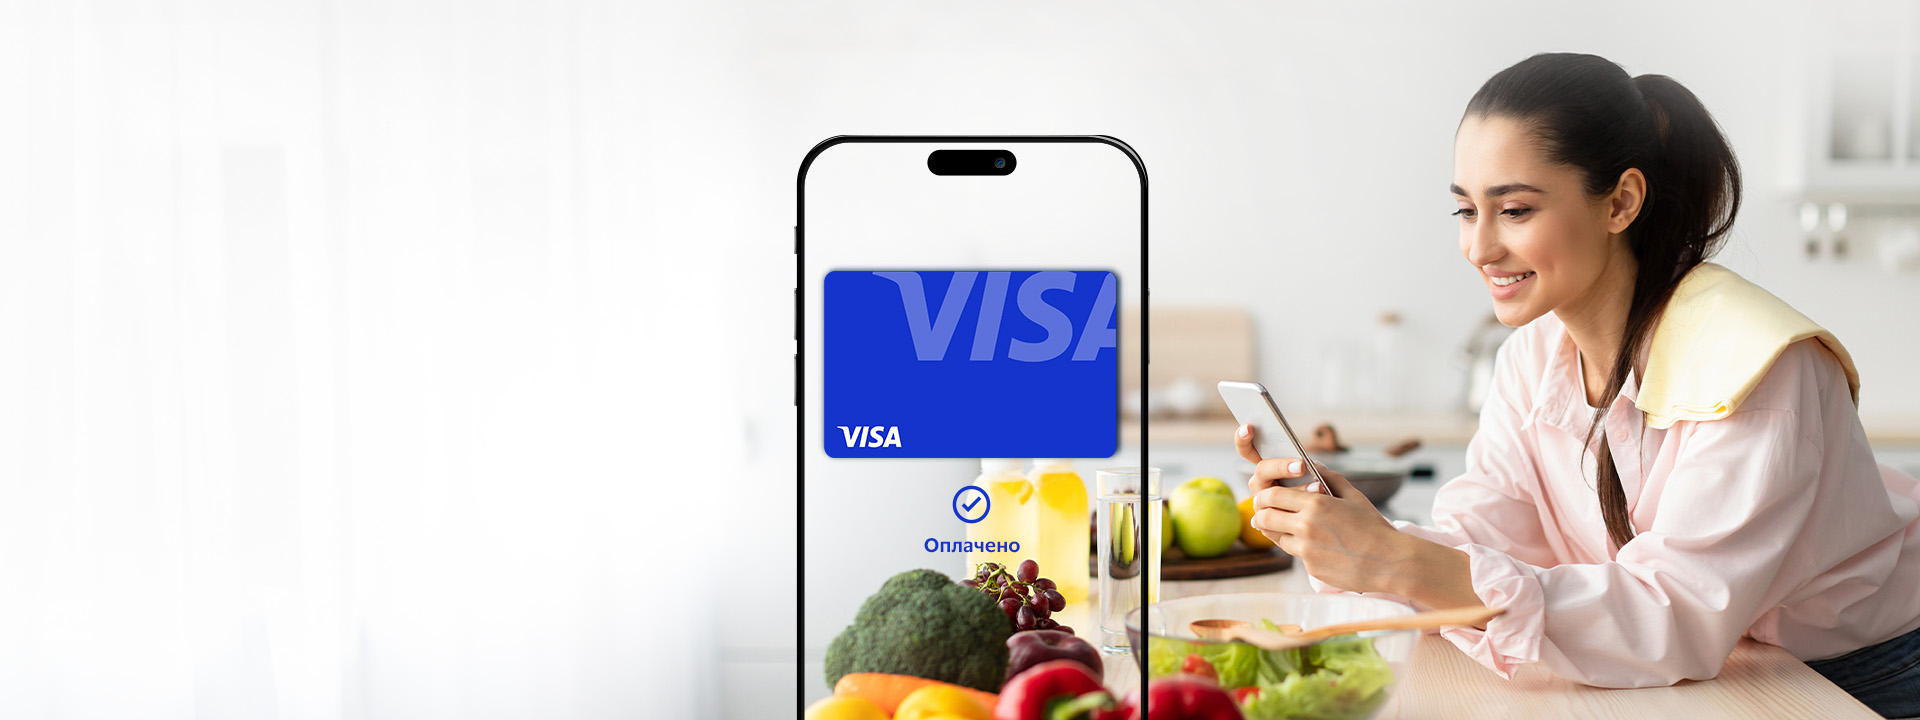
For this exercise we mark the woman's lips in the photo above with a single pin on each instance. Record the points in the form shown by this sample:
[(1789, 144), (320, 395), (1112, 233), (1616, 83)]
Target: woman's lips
[(1502, 292)]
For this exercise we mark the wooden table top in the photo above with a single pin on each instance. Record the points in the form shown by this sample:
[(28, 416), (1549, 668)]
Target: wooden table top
[(1759, 680)]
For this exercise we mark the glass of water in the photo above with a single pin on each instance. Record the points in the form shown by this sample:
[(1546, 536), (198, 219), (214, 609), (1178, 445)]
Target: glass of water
[(1129, 508)]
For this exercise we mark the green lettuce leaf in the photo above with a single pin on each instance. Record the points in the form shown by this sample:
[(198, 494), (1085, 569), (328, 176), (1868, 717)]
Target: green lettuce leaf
[(1238, 664)]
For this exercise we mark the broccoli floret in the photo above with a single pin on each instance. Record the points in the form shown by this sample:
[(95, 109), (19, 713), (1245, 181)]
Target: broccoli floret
[(923, 624)]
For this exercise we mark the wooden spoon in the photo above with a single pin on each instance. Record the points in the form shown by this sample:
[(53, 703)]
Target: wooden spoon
[(1269, 640), (1244, 631)]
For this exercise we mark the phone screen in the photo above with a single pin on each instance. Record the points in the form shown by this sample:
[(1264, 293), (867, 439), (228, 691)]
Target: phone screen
[(953, 309)]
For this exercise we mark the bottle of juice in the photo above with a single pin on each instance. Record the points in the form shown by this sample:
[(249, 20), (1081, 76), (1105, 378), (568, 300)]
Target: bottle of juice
[(1010, 514), (1064, 527)]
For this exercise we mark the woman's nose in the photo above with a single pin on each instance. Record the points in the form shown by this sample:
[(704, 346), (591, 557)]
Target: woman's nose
[(1480, 244)]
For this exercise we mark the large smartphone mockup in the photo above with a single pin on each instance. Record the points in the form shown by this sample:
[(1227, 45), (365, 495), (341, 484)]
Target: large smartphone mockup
[(958, 298)]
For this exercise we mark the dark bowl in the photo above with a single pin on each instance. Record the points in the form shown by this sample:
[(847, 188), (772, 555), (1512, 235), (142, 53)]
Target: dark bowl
[(1377, 485)]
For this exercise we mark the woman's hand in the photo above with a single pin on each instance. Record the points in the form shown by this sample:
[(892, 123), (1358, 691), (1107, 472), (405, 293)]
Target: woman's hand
[(1344, 541)]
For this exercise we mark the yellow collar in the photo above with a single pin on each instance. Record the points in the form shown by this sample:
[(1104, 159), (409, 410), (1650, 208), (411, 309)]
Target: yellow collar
[(1717, 337)]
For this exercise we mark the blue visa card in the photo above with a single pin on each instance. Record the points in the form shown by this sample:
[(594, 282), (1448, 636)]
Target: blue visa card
[(971, 364)]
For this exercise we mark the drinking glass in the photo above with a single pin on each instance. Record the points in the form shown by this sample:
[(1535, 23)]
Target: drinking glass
[(1129, 500)]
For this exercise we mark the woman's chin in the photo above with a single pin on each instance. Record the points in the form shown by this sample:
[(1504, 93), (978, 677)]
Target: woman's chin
[(1513, 314)]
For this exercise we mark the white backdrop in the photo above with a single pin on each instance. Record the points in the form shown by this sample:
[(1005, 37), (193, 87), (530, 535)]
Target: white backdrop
[(345, 371)]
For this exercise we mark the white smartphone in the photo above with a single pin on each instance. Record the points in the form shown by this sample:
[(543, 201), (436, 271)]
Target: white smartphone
[(960, 297), (1272, 437)]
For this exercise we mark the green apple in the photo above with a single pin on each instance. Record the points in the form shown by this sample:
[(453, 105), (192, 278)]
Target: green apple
[(1205, 518)]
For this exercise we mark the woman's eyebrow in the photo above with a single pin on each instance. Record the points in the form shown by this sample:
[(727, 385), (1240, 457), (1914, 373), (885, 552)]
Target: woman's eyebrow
[(1498, 190)]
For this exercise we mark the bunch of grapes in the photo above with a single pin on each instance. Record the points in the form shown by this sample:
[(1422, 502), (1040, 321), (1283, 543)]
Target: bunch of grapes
[(1024, 596)]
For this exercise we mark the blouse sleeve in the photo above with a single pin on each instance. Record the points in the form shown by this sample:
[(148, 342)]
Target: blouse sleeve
[(1676, 598)]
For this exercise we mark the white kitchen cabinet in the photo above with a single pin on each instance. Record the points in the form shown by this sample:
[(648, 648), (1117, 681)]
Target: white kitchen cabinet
[(1861, 139)]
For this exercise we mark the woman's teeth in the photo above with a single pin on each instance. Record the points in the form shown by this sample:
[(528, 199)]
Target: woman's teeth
[(1510, 279)]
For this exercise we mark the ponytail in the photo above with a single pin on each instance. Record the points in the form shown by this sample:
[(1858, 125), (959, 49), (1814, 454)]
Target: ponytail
[(1590, 115), (1692, 208)]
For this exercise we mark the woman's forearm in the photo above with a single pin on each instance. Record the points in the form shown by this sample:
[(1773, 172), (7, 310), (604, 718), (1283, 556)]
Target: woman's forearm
[(1434, 575)]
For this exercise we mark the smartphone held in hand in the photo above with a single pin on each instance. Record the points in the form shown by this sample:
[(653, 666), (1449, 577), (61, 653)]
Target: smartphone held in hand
[(1272, 437)]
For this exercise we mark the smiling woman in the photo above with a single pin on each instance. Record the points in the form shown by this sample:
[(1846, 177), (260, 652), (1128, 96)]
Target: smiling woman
[(1671, 458)]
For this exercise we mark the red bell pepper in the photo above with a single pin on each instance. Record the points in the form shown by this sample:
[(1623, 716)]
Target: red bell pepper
[(1189, 697), (1129, 708), (1054, 690)]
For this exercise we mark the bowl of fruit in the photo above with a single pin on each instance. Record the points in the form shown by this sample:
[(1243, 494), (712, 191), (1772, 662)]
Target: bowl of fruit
[(1347, 677)]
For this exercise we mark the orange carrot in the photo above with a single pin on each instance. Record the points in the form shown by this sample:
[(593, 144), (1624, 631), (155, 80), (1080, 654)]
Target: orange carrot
[(888, 690)]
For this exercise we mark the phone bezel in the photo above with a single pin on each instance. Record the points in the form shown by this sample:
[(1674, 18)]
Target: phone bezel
[(799, 333)]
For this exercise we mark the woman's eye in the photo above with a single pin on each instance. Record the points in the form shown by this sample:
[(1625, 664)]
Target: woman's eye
[(1516, 212), (1466, 213)]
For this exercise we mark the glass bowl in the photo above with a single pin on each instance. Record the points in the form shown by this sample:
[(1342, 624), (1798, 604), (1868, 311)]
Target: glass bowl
[(1347, 677)]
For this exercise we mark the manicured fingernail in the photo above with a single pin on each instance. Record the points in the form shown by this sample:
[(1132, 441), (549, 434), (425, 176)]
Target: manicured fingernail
[(1244, 429), (1295, 467), (1313, 486)]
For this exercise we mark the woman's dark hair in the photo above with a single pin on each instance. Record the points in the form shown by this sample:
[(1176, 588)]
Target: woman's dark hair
[(1588, 114)]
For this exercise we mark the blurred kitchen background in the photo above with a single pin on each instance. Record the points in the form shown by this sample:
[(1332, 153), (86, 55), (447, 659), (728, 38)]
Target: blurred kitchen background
[(433, 359), (1299, 157)]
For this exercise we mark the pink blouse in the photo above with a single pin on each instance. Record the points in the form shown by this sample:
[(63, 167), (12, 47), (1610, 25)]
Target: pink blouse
[(1774, 523)]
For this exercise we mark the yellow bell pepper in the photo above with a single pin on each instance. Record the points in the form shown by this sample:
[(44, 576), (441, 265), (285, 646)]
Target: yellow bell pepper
[(941, 703), (845, 708)]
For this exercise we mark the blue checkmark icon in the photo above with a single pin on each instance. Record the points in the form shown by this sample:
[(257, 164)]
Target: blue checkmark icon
[(974, 497)]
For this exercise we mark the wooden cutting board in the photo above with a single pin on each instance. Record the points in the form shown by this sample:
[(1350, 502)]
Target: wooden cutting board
[(1237, 562)]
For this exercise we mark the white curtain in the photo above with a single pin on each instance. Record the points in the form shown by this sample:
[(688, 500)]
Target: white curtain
[(343, 370)]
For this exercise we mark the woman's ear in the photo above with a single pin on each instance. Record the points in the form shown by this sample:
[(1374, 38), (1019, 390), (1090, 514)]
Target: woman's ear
[(1623, 204)]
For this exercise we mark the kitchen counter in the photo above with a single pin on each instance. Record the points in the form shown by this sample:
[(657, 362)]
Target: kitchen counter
[(1355, 428), (1431, 427), (1759, 680)]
